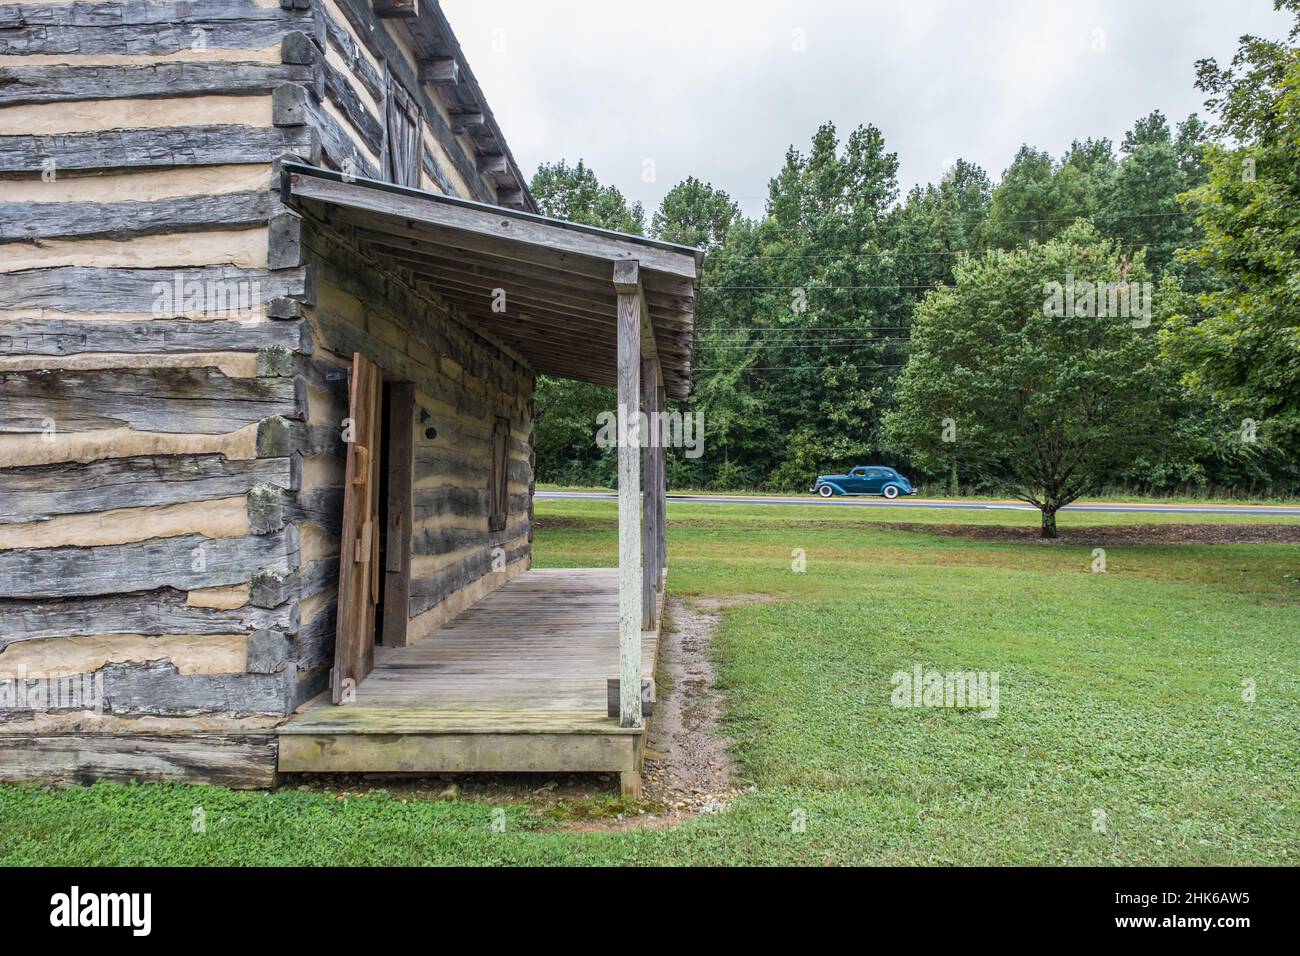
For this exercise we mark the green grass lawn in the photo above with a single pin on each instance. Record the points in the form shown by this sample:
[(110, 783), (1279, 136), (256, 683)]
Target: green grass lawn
[(1121, 698)]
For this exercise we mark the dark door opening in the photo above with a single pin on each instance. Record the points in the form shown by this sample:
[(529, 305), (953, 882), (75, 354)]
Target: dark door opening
[(392, 610)]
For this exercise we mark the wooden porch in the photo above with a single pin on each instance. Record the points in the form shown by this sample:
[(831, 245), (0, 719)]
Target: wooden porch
[(517, 682)]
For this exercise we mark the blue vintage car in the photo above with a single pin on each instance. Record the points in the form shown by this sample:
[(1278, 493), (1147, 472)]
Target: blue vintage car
[(864, 480)]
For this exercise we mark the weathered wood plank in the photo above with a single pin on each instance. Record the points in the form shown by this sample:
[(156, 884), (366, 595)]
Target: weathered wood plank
[(456, 753), (279, 438), (123, 220), (464, 502), (341, 92), (367, 26), (143, 27), (336, 145), (235, 760), (151, 148), (518, 231), (189, 400), (185, 562), (271, 588), (70, 83), (53, 336), (153, 613), (627, 283), (42, 491), (427, 592), (157, 688), (359, 558), (226, 289)]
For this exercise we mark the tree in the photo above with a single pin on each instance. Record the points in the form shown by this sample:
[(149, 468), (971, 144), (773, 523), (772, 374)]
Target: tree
[(574, 193), (693, 213), (1037, 199), (937, 223), (565, 410), (1240, 345), (1139, 205), (1039, 396), (800, 317)]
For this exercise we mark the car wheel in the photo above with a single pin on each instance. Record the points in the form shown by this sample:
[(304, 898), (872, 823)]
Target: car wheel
[(891, 491), (825, 491)]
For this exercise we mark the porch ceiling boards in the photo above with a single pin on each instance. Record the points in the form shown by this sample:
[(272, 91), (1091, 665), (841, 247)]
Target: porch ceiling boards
[(543, 287)]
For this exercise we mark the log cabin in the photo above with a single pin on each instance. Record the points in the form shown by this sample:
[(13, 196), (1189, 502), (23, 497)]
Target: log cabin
[(274, 297)]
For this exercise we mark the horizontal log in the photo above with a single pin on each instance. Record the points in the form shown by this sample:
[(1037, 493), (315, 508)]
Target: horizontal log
[(439, 71), (433, 541), (124, 220), (224, 289), (322, 507), (426, 592), (142, 27), (278, 438), (151, 148), (42, 491), (189, 400), (154, 613), (270, 651), (236, 760), (64, 83), (185, 562), (431, 502), (273, 587), (157, 688), (53, 336)]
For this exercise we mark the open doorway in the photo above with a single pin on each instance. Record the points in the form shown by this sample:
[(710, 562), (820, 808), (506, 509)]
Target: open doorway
[(392, 609)]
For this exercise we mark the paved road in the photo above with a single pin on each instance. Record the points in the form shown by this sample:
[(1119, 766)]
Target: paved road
[(872, 502)]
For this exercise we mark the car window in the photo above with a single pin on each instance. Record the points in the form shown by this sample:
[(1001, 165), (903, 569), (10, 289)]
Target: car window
[(858, 472), (875, 473)]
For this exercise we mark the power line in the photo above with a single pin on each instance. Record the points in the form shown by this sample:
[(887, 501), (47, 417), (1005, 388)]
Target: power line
[(814, 288), (841, 343), (1180, 213), (796, 368), (908, 254), (802, 328)]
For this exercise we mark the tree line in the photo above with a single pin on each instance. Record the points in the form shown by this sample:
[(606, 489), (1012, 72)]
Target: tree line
[(929, 331)]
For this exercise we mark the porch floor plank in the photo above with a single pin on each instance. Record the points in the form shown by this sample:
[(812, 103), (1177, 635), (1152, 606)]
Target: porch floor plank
[(532, 657)]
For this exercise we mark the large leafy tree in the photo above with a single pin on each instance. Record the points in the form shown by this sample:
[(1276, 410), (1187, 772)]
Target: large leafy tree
[(1241, 342), (801, 316), (1139, 203), (1038, 198), (566, 410), (575, 193), (1045, 407), (694, 213), (936, 223)]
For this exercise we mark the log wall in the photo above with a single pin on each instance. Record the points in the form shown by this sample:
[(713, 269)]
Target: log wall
[(172, 355)]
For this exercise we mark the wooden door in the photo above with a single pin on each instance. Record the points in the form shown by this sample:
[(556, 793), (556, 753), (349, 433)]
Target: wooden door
[(354, 651)]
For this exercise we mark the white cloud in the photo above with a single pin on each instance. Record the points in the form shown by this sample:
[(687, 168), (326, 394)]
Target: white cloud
[(716, 89)]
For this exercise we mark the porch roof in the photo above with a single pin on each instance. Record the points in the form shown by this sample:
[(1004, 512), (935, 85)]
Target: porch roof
[(560, 303)]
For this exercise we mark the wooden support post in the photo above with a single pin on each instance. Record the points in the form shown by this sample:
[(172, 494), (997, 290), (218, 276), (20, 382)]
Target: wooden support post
[(627, 283), (661, 497), (649, 543)]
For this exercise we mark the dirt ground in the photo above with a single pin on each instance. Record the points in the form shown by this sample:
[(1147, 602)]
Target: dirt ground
[(688, 770), (1116, 535)]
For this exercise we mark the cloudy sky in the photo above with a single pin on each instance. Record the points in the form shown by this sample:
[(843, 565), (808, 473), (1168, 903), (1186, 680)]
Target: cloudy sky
[(652, 92)]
